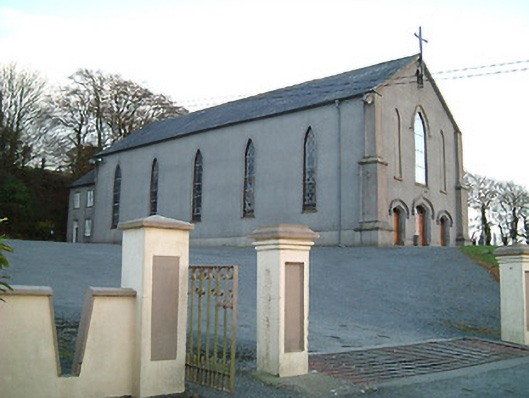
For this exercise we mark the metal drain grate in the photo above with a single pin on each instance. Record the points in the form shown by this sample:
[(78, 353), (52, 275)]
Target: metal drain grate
[(379, 364)]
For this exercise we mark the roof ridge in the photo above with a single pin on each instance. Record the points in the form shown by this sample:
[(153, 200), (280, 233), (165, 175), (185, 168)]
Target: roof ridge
[(295, 97), (266, 93)]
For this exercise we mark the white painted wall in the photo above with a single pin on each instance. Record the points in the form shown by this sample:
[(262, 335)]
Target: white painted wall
[(28, 348)]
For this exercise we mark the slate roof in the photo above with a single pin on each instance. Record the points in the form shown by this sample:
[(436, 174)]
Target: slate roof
[(304, 95), (88, 179)]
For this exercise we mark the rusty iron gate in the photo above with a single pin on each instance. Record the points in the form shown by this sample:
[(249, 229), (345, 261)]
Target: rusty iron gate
[(211, 341)]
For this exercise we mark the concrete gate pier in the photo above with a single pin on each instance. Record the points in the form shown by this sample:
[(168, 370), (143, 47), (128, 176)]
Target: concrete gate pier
[(283, 298)]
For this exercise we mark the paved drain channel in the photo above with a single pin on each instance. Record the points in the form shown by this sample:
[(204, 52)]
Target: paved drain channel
[(380, 364)]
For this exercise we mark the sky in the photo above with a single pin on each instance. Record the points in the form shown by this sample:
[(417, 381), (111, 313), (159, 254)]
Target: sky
[(204, 52)]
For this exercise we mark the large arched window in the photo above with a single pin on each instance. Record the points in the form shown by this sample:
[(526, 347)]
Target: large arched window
[(249, 181), (116, 197), (420, 150), (197, 188), (309, 171), (154, 188)]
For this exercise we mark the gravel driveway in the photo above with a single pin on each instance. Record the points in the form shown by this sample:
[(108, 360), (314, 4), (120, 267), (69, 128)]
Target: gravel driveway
[(359, 297)]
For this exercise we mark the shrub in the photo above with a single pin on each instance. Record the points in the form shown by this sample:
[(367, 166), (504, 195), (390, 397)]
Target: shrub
[(4, 286)]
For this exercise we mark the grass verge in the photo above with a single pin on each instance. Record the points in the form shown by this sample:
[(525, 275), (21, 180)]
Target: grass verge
[(484, 256)]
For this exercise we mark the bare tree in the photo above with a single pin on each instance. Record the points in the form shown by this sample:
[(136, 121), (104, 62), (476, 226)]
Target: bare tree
[(525, 218), (500, 218), (96, 109), (129, 107), (94, 86), (23, 116), (512, 200), (73, 126), (119, 107), (481, 195)]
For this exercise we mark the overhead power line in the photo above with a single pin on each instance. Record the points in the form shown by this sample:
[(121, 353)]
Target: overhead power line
[(323, 88), (481, 67), (497, 72)]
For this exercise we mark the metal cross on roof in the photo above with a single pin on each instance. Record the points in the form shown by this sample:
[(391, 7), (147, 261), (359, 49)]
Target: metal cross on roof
[(419, 36), (420, 74)]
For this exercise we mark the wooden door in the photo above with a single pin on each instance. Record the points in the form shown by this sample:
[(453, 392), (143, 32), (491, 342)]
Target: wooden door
[(396, 226)]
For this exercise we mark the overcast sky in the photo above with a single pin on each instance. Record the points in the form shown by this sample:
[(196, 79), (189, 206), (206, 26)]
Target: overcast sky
[(201, 52)]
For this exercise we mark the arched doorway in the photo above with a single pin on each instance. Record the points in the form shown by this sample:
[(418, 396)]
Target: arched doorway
[(445, 231), (399, 224), (421, 219)]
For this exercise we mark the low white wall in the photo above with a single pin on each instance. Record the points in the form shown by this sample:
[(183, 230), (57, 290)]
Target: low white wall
[(116, 353), (29, 365)]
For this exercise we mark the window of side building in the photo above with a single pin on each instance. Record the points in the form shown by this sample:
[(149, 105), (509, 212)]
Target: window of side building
[(77, 200), (88, 228), (90, 198)]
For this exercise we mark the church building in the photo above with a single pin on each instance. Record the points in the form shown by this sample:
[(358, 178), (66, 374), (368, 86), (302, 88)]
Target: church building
[(367, 157)]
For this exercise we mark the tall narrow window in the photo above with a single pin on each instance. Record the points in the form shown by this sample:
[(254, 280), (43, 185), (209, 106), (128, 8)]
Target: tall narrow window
[(249, 181), (197, 188), (443, 160), (309, 171), (398, 153), (116, 197), (154, 188), (420, 150)]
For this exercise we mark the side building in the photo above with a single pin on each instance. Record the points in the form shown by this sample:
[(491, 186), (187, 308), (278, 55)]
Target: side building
[(81, 209), (367, 157)]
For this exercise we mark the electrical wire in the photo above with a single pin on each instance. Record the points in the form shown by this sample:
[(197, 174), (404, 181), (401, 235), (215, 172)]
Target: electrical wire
[(326, 88)]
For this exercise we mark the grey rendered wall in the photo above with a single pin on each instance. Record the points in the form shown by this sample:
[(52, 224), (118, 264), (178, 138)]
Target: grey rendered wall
[(279, 168), (408, 99)]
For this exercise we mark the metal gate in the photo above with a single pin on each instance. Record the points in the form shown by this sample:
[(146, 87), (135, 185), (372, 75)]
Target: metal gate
[(210, 358)]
